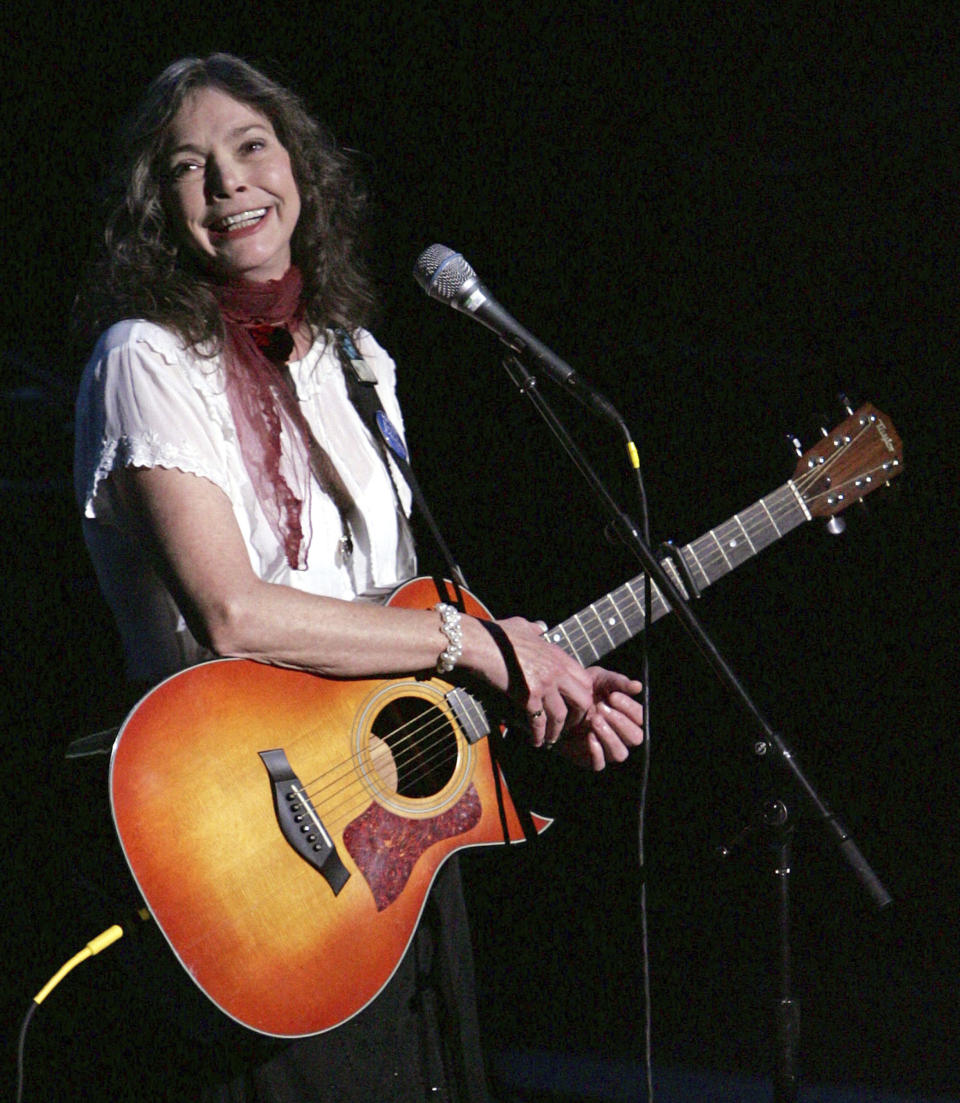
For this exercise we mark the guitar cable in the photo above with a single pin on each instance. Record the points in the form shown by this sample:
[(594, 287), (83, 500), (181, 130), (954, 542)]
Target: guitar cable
[(633, 459), (94, 946)]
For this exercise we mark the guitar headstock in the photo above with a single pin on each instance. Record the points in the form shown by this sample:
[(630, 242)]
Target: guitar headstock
[(861, 454)]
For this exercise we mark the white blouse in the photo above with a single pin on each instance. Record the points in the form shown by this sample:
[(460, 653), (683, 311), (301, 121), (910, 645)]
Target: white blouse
[(146, 401)]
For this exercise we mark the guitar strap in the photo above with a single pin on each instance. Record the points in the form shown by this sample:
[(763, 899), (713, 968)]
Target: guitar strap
[(361, 387), (515, 680)]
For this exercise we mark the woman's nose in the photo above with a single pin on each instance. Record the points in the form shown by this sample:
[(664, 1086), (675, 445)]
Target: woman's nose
[(222, 179)]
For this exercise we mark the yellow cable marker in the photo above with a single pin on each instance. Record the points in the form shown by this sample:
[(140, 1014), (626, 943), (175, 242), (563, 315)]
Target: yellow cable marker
[(634, 455)]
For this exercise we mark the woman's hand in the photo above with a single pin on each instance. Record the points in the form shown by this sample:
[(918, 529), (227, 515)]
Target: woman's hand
[(611, 727), (592, 710)]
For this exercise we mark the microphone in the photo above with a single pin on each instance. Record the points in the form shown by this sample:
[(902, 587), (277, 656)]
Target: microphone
[(446, 276)]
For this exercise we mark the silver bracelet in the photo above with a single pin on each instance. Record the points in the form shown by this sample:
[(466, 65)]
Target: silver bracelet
[(450, 627)]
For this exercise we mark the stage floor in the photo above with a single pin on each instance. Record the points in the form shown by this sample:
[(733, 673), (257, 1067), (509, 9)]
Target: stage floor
[(544, 1077)]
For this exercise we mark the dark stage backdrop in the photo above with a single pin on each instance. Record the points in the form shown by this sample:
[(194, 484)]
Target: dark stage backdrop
[(721, 216)]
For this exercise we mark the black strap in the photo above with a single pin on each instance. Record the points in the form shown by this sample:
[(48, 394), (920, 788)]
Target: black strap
[(361, 387), (516, 682)]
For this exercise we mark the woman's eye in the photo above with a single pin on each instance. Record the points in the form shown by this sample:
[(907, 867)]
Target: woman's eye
[(182, 169), (254, 145)]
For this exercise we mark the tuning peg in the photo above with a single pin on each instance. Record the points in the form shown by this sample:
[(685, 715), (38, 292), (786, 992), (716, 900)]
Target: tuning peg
[(836, 525), (846, 402), (795, 443)]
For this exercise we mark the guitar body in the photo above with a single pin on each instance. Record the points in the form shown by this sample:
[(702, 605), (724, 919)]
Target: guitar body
[(381, 769)]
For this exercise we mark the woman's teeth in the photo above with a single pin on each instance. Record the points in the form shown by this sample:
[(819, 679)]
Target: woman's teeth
[(239, 221)]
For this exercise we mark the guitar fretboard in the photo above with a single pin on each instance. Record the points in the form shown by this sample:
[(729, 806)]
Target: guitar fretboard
[(619, 615)]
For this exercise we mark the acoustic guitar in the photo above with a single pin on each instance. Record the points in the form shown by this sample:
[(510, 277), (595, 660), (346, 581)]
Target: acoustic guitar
[(284, 829)]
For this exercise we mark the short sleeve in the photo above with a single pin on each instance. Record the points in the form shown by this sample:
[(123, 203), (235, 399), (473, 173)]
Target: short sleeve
[(144, 401)]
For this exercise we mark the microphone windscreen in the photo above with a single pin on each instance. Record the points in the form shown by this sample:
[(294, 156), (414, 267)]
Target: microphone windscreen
[(441, 272)]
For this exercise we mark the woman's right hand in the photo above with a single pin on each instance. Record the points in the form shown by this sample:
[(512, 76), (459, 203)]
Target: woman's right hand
[(593, 709), (556, 691)]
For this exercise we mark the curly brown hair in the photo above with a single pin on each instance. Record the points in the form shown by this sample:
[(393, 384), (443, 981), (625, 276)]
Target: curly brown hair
[(142, 272)]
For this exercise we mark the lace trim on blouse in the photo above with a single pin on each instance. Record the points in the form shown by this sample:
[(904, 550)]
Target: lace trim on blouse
[(145, 450)]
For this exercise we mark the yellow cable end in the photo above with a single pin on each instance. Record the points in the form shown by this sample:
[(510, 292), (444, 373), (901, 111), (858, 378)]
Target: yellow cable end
[(107, 938)]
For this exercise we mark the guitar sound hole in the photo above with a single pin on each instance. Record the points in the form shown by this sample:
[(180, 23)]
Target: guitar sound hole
[(414, 749)]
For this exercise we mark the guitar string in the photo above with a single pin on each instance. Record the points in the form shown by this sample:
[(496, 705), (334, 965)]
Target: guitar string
[(418, 754), (415, 745), (354, 796), (709, 558), (359, 798), (707, 550), (393, 746)]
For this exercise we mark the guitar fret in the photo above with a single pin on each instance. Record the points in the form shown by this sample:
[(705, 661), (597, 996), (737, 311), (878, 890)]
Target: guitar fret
[(576, 637), (594, 653), (763, 503), (759, 522), (658, 603), (735, 551), (746, 534), (714, 566), (670, 569), (790, 512), (597, 620), (638, 600), (611, 620), (800, 502), (716, 540), (696, 563)]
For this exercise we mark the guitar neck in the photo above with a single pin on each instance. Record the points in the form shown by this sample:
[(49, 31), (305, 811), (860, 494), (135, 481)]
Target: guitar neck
[(619, 616)]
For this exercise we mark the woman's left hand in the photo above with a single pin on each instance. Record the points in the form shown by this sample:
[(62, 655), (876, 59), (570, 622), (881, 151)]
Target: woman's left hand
[(611, 727)]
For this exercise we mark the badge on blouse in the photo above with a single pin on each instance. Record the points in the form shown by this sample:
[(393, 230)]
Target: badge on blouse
[(391, 436)]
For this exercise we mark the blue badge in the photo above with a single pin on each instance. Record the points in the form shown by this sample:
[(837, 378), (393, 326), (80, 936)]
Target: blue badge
[(391, 436)]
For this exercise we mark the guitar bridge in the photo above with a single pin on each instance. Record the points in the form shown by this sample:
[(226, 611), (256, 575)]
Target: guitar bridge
[(299, 822)]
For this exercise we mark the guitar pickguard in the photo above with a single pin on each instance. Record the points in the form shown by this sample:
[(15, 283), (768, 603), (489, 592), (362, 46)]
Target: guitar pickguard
[(386, 846)]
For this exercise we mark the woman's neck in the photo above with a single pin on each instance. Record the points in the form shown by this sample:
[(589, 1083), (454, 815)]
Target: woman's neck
[(303, 339)]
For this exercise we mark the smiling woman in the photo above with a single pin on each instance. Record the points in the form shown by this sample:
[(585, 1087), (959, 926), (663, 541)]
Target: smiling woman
[(146, 268), (231, 194), (235, 504)]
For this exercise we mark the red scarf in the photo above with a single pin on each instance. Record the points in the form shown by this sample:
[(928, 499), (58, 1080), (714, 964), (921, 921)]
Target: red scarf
[(258, 319)]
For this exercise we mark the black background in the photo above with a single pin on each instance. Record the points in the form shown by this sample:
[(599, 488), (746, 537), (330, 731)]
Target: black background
[(721, 216)]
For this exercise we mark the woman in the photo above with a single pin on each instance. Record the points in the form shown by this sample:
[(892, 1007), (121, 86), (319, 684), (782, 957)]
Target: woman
[(235, 505)]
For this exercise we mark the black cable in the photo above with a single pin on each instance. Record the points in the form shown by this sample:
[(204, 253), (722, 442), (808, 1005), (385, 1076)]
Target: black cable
[(21, 1048)]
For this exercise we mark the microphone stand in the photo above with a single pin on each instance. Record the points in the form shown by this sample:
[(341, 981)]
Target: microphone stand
[(776, 828), (769, 745)]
